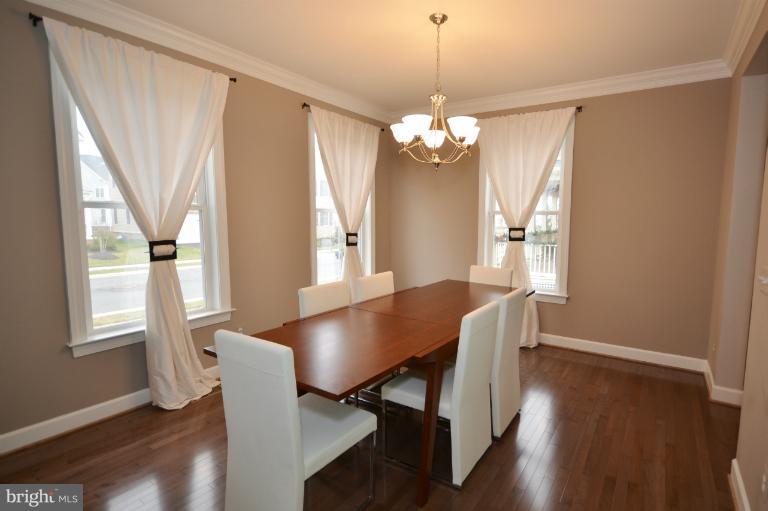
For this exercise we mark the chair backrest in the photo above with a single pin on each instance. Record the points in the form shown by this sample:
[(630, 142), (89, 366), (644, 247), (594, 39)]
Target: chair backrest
[(505, 373), (321, 298), (470, 405), (373, 286), (490, 275), (265, 461)]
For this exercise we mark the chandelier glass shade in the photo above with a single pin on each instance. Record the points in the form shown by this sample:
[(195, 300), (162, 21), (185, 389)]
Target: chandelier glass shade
[(423, 136)]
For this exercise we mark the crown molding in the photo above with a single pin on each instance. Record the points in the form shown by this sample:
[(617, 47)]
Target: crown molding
[(123, 19), (663, 77), (743, 26)]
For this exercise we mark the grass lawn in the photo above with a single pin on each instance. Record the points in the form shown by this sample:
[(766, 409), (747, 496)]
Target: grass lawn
[(134, 252)]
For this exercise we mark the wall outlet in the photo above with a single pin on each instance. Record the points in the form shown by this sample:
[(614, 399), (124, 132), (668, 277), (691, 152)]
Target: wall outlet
[(240, 329)]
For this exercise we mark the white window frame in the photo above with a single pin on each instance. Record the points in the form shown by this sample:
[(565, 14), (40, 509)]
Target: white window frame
[(369, 221), (82, 341), (486, 218)]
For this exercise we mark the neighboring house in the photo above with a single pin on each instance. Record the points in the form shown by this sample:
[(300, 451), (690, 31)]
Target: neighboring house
[(98, 186)]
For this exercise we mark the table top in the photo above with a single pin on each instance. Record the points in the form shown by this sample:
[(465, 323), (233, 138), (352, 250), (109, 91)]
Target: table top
[(339, 352)]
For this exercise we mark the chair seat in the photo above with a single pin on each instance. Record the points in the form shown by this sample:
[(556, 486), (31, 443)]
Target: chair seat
[(328, 429), (409, 390)]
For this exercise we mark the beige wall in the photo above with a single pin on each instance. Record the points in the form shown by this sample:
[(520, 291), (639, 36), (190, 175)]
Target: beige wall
[(646, 190), (267, 178)]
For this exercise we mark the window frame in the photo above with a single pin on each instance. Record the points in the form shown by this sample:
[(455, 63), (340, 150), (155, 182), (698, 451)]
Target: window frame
[(486, 219), (368, 238), (82, 341)]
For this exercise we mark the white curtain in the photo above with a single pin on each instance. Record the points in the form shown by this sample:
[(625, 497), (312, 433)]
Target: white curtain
[(348, 148), (518, 153), (154, 120)]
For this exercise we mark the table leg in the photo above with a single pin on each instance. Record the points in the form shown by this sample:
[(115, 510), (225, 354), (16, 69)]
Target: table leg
[(434, 372)]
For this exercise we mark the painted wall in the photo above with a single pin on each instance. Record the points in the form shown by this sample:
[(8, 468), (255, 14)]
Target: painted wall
[(647, 173), (267, 179)]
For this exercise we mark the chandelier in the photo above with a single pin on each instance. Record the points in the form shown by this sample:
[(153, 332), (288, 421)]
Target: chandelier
[(422, 135)]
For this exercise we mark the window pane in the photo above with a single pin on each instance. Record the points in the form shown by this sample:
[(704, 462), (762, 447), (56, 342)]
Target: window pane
[(118, 255), (95, 179), (500, 236), (329, 236), (118, 267)]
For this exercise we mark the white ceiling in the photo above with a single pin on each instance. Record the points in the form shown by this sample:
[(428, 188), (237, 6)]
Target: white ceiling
[(383, 52)]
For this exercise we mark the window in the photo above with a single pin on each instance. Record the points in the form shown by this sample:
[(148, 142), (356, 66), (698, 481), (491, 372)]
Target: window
[(106, 255), (328, 239), (546, 237)]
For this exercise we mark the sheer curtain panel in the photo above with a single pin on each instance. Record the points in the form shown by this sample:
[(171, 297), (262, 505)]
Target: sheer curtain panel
[(349, 148), (518, 153), (154, 119)]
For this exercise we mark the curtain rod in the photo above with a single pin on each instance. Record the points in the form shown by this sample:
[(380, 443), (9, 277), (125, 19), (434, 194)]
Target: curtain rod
[(306, 105), (37, 19)]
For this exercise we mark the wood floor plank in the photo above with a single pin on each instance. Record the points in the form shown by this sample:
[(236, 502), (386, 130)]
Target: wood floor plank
[(593, 433)]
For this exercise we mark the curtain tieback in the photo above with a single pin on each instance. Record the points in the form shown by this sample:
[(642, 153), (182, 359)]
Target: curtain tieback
[(351, 239), (516, 234), (162, 250)]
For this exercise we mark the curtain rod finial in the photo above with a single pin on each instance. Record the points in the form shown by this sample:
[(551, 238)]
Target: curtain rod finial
[(35, 19)]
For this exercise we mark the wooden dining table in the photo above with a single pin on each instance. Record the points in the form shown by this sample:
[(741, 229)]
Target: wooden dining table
[(340, 352)]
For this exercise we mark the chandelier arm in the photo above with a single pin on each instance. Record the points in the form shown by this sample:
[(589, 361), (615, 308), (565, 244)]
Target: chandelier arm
[(456, 149), (423, 149), (416, 157)]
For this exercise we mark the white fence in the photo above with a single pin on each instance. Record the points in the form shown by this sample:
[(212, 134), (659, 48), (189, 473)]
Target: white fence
[(542, 263)]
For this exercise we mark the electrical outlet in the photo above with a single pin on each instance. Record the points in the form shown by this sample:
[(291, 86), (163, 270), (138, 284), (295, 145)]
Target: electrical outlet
[(240, 329)]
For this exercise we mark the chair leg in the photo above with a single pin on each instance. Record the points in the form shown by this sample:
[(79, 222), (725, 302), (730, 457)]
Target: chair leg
[(384, 428), (371, 475)]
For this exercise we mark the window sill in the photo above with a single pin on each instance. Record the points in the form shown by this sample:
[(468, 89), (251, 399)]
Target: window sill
[(541, 296), (121, 338)]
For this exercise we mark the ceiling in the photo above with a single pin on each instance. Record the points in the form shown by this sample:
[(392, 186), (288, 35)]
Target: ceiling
[(383, 52)]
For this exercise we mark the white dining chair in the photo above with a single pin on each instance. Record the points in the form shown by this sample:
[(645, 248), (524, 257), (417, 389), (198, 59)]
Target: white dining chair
[(490, 275), (505, 372), (322, 298), (373, 286), (276, 441), (464, 393)]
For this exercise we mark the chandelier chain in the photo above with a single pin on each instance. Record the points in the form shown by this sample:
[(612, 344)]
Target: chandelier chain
[(438, 86)]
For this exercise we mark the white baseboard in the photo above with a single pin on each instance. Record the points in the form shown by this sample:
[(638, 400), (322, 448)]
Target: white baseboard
[(738, 491), (719, 393), (716, 392), (635, 354), (63, 423), (50, 428)]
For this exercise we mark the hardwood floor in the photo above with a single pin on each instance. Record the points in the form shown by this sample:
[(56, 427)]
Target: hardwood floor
[(594, 433)]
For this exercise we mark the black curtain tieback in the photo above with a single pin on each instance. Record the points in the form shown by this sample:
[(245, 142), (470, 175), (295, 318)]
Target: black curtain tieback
[(351, 239), (517, 234), (163, 254)]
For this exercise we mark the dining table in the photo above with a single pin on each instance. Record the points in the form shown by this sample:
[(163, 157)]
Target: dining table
[(342, 351)]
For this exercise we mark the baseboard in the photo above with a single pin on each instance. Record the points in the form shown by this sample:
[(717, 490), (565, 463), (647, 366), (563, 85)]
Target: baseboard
[(717, 393), (634, 354), (738, 491), (34, 433), (14, 440)]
